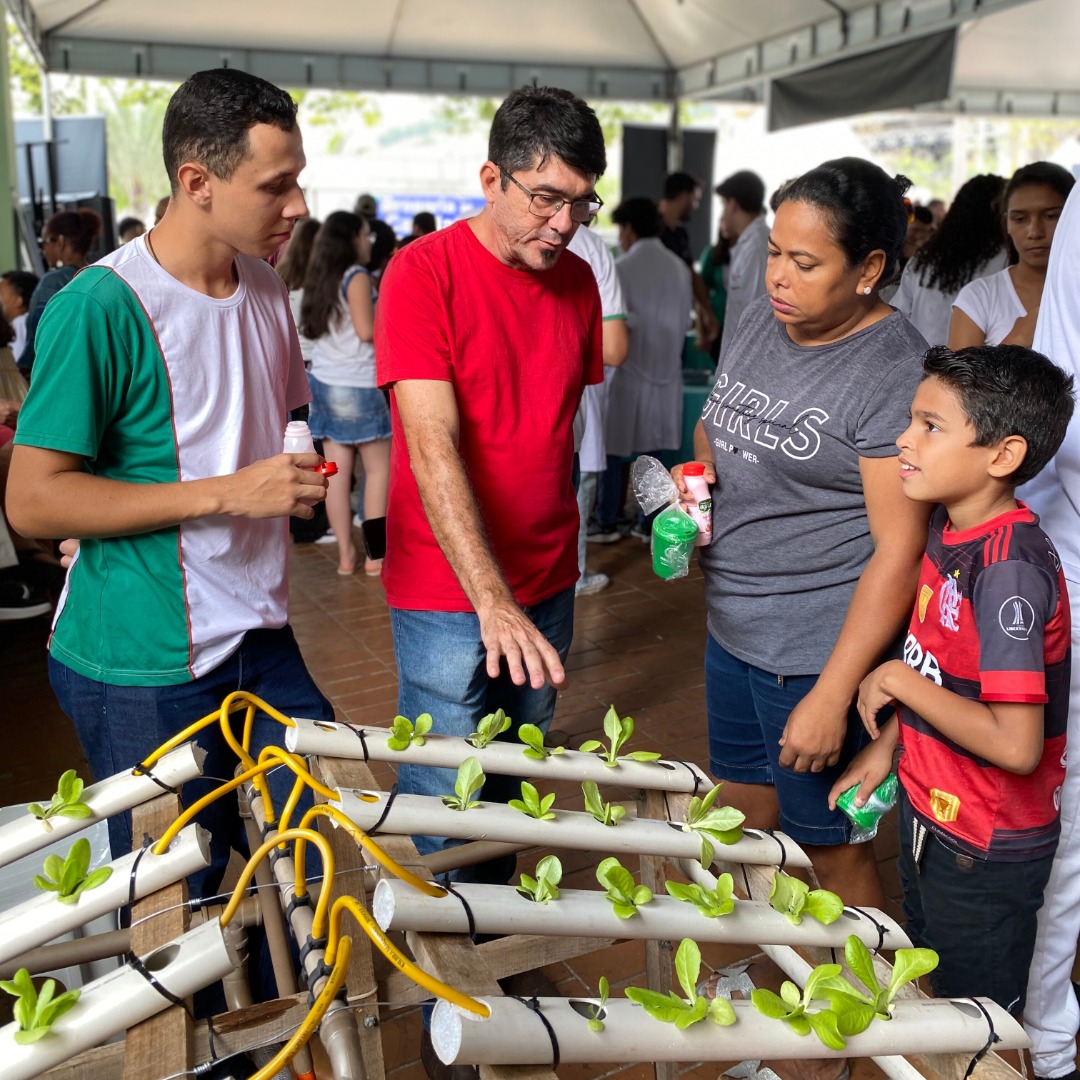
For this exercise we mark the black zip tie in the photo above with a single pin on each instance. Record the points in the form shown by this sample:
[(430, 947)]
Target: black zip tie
[(296, 902), (134, 867), (359, 733), (164, 991), (992, 1038), (881, 930), (694, 773), (445, 883), (144, 770), (386, 810), (210, 1038), (533, 1005), (310, 946), (780, 844)]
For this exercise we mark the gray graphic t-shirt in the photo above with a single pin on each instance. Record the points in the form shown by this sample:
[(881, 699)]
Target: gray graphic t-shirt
[(788, 424)]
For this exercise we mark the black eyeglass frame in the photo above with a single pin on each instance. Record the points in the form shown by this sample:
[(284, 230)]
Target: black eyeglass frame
[(592, 205)]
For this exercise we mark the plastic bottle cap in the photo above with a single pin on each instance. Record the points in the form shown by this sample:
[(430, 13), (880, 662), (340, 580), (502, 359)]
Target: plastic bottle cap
[(328, 468), (693, 468)]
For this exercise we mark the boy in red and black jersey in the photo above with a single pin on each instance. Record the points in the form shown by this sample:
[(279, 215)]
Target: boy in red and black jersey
[(980, 700)]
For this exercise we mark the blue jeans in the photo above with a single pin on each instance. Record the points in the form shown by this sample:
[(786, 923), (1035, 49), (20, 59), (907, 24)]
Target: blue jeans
[(441, 665), (119, 726)]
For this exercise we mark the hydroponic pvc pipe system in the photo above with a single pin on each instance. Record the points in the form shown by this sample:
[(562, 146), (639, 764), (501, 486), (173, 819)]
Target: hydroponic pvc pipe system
[(105, 798), (121, 999), (515, 1035), (571, 829), (46, 917), (500, 909), (317, 737)]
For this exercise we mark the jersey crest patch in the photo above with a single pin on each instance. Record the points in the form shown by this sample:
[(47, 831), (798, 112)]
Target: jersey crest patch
[(949, 604), (1017, 618)]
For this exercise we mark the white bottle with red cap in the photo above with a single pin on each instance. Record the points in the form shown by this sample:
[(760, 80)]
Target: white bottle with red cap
[(699, 504), (298, 438)]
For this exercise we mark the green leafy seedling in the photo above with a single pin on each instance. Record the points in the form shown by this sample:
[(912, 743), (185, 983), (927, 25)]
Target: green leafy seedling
[(69, 877), (596, 1011), (712, 824), (545, 886), (533, 738), (36, 1012), (794, 899), (682, 1012), (532, 804), (491, 726), (625, 895), (66, 801), (793, 1007), (618, 730), (404, 733), (605, 812), (470, 779), (712, 903)]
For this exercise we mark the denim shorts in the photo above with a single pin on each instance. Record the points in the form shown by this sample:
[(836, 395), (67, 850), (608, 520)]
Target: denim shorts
[(349, 415), (747, 709), (978, 916)]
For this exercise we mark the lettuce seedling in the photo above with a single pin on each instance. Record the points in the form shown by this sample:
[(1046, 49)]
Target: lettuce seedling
[(492, 725), (36, 1013), (712, 903), (792, 1007), (68, 877), (532, 804), (533, 738), (404, 733), (625, 895), (597, 1010), (618, 732), (545, 886), (722, 824), (682, 1012), (794, 899), (605, 812), (66, 801), (470, 779)]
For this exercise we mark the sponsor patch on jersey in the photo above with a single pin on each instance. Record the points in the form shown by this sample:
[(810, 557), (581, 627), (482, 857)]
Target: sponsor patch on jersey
[(925, 593), (1016, 617), (946, 807)]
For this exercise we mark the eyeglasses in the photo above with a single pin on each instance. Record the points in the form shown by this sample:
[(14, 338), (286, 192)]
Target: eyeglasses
[(43, 240), (547, 206)]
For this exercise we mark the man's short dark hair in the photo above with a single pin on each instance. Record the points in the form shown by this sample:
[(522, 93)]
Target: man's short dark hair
[(1008, 390), (425, 222), (640, 213), (23, 282), (745, 188), (209, 116), (537, 122), (680, 183)]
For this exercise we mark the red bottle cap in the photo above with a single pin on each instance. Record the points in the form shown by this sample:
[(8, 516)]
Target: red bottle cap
[(328, 468), (693, 468)]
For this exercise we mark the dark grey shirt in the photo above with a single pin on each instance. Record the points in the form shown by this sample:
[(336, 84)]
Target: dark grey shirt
[(788, 424)]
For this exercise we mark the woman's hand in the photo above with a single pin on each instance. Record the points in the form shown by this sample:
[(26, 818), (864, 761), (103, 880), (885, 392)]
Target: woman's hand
[(814, 734), (680, 483)]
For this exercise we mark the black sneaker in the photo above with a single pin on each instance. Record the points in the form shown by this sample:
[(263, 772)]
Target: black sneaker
[(18, 602)]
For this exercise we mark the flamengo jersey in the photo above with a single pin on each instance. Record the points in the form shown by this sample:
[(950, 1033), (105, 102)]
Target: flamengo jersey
[(152, 382), (991, 623)]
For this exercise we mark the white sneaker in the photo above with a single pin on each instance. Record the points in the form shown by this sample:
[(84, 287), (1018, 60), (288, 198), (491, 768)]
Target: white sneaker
[(588, 584), (327, 537), (358, 521)]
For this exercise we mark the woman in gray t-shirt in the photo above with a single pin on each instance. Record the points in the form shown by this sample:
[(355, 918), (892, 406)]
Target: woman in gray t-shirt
[(811, 573)]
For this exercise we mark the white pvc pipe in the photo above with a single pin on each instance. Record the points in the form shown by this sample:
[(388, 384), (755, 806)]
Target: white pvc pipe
[(500, 909), (45, 917), (318, 737), (105, 798), (512, 1036), (121, 999), (411, 814)]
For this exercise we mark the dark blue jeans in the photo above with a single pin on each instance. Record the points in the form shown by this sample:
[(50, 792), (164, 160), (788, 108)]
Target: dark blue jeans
[(119, 726)]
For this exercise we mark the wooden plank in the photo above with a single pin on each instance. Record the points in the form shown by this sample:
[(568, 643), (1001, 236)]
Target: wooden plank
[(155, 921), (101, 1063)]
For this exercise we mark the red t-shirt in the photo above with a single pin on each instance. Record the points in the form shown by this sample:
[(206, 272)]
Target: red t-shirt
[(519, 347)]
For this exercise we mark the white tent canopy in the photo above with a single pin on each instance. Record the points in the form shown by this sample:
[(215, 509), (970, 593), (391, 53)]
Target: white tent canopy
[(649, 49)]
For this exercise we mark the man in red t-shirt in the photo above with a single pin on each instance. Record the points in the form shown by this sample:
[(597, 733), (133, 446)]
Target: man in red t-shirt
[(487, 333)]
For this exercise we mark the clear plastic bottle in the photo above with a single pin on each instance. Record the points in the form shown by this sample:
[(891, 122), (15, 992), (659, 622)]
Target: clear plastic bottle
[(700, 505), (298, 438)]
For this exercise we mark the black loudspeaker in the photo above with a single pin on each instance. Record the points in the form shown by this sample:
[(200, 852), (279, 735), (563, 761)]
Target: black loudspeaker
[(103, 205)]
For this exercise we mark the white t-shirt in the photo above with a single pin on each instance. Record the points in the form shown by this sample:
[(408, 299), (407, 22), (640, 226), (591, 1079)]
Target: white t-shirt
[(18, 324), (992, 305), (591, 414), (339, 357), (307, 346), (929, 309)]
